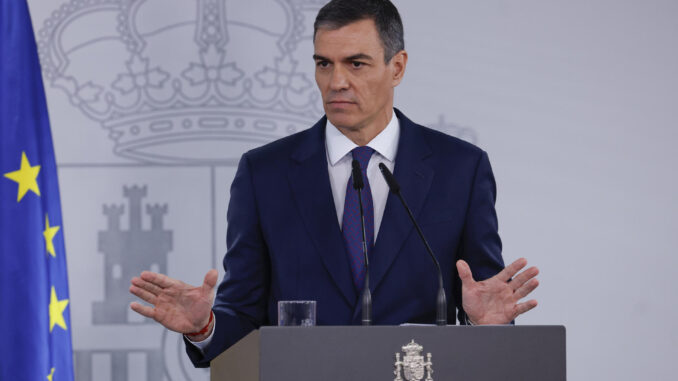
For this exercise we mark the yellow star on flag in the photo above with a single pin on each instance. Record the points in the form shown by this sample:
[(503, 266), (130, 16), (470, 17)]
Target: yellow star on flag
[(50, 375), (26, 177), (56, 311), (49, 233)]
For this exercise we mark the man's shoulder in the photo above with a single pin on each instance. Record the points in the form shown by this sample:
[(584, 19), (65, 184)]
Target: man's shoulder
[(449, 143), (442, 143), (285, 147)]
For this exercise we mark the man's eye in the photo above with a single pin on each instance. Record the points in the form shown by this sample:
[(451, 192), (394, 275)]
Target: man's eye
[(322, 64), (357, 64)]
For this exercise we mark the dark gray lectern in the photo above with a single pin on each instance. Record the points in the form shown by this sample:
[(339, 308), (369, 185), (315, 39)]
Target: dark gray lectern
[(369, 353)]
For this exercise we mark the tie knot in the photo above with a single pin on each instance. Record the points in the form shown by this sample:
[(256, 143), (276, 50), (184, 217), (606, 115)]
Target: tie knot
[(363, 155)]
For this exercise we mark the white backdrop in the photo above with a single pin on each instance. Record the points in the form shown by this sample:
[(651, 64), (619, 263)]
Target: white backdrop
[(576, 103)]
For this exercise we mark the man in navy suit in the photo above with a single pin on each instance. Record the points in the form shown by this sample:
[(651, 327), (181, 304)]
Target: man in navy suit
[(292, 214)]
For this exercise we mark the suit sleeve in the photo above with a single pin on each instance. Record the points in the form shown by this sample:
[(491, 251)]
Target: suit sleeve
[(240, 303), (480, 245)]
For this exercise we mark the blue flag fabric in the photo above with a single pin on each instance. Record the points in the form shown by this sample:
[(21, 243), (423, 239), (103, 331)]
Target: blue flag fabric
[(35, 326)]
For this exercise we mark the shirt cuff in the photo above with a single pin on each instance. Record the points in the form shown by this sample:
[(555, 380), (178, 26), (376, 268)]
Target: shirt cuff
[(202, 345), (468, 321)]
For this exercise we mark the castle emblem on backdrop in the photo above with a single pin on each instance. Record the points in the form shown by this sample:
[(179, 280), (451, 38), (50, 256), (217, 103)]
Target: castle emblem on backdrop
[(186, 81), (128, 253)]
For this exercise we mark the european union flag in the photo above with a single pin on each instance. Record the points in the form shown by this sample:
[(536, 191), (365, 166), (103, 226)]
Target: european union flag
[(35, 326)]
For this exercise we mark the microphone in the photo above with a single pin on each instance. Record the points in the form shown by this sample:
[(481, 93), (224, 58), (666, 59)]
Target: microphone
[(359, 184), (441, 302)]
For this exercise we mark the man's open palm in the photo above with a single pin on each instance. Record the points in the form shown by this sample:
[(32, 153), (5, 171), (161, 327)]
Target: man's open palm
[(178, 306), (495, 300)]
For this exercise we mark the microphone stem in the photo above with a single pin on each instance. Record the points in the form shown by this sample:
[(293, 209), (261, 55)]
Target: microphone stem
[(441, 300), (367, 296)]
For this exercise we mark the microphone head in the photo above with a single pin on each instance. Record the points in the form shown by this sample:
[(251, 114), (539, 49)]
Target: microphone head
[(390, 179), (358, 183)]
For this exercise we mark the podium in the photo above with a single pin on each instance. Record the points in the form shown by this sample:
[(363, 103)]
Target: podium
[(369, 353)]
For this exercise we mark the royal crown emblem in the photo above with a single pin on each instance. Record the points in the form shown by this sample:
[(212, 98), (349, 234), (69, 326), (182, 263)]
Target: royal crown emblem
[(413, 366), (200, 84)]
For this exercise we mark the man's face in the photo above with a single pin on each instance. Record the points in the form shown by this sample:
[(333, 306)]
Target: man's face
[(356, 84)]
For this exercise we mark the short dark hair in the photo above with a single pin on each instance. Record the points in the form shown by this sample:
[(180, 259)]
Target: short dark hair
[(339, 13)]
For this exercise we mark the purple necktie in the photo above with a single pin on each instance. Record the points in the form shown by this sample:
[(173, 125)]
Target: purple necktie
[(351, 227)]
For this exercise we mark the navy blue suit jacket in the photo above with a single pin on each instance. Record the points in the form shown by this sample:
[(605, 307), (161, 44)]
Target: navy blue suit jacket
[(284, 241)]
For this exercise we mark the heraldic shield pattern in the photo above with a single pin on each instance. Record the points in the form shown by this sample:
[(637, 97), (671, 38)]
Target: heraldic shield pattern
[(413, 367)]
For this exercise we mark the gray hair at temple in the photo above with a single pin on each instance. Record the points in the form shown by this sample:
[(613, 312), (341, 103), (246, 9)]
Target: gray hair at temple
[(339, 13)]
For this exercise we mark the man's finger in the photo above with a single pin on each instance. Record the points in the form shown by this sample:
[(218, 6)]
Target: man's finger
[(524, 307), (525, 289), (523, 277), (143, 294), (148, 286), (465, 273), (511, 270), (210, 279), (143, 310), (160, 280)]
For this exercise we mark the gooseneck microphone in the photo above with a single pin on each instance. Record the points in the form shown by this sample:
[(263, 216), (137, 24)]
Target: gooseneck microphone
[(441, 302), (358, 185)]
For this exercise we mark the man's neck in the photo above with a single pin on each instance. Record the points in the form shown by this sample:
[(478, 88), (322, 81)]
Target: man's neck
[(363, 135)]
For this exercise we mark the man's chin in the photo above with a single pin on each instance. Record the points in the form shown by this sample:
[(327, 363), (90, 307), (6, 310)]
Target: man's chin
[(341, 120)]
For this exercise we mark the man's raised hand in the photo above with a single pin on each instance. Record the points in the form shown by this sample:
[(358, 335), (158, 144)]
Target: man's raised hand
[(176, 305), (495, 300)]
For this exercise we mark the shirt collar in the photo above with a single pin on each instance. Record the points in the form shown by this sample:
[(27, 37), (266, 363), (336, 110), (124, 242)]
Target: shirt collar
[(386, 143)]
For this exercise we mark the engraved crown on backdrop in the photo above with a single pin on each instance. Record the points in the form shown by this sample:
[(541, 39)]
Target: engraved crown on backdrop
[(185, 81)]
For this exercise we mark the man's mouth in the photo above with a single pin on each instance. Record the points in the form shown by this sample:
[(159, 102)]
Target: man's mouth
[(339, 102)]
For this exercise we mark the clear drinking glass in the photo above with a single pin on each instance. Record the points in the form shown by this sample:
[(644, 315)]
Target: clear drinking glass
[(296, 313)]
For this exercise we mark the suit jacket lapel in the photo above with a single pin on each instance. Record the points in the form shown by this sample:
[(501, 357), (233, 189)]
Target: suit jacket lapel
[(415, 177), (310, 183)]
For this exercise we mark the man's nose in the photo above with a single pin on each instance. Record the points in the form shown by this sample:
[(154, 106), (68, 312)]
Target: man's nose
[(339, 79)]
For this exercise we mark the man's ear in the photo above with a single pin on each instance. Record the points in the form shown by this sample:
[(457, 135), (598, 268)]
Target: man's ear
[(398, 64)]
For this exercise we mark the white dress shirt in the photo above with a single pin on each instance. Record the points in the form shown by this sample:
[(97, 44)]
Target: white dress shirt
[(339, 158)]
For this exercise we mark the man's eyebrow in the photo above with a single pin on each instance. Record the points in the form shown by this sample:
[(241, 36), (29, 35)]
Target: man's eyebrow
[(359, 56)]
